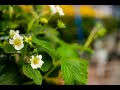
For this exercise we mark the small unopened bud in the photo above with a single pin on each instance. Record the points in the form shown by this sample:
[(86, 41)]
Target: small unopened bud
[(28, 39), (60, 24), (43, 20)]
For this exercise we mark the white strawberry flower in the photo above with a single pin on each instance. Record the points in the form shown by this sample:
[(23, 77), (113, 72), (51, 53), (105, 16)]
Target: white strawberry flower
[(56, 9), (12, 33), (53, 9), (59, 10), (36, 61), (17, 41)]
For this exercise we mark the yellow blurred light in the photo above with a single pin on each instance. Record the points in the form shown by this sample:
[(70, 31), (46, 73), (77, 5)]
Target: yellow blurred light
[(87, 10), (27, 8), (68, 9), (46, 10)]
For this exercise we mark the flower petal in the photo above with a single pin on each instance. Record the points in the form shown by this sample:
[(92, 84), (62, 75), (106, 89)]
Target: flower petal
[(16, 36), (19, 47), (12, 31), (17, 31), (34, 66), (59, 10), (11, 41), (39, 56), (41, 61), (53, 9)]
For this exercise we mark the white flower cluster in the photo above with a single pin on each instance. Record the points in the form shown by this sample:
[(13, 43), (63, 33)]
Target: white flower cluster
[(16, 40), (55, 9)]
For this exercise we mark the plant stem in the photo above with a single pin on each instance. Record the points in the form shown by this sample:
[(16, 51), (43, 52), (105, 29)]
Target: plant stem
[(42, 32), (51, 79), (52, 69), (26, 48), (49, 17), (56, 28), (35, 18), (10, 11), (91, 37)]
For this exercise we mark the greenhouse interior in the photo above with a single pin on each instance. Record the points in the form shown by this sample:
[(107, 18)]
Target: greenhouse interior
[(59, 44)]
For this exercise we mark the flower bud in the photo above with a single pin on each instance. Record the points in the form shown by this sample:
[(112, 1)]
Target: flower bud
[(43, 20)]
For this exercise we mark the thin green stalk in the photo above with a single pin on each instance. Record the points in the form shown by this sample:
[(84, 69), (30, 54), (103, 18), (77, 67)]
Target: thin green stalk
[(30, 24), (49, 17), (26, 49), (52, 15), (35, 15), (35, 18), (50, 71), (56, 28), (91, 37), (42, 32), (55, 65), (10, 11)]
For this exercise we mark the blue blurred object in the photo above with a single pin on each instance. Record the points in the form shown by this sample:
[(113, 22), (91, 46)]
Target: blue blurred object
[(78, 21)]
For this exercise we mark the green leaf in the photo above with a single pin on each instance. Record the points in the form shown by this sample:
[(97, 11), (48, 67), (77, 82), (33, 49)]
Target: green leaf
[(46, 66), (25, 50), (47, 62), (9, 49), (38, 8), (33, 74), (73, 67), (8, 78), (74, 71), (13, 25), (8, 73), (47, 47), (67, 51), (2, 7), (53, 18), (30, 24), (42, 43), (2, 63), (2, 67)]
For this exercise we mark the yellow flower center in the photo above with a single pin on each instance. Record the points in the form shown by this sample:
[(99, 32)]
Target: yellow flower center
[(36, 60), (17, 42)]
